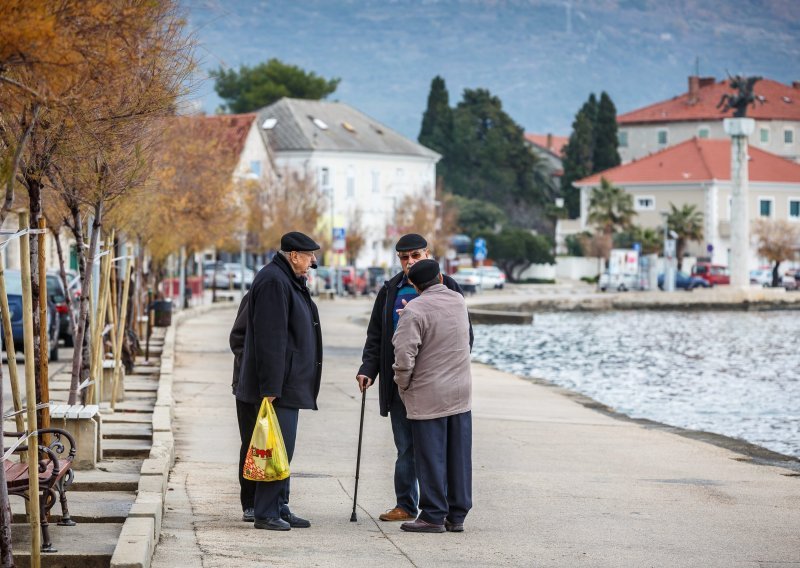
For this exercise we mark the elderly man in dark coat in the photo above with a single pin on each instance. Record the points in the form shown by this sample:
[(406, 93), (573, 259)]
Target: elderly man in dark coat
[(378, 358), (282, 361)]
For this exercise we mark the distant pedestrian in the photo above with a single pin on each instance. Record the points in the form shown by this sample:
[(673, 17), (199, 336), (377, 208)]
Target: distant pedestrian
[(282, 361), (244, 411), (377, 360), (432, 372)]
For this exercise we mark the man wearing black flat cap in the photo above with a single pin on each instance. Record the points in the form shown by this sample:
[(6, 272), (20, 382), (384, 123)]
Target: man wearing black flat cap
[(282, 361), (377, 360), (433, 377)]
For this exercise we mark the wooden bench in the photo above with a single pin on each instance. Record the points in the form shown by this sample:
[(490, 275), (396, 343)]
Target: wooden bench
[(55, 476)]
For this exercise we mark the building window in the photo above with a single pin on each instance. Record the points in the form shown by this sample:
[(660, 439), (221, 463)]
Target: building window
[(663, 138), (255, 167), (703, 132), (351, 182), (794, 209), (788, 136), (325, 177), (765, 206), (763, 135), (376, 182), (645, 203), (622, 138)]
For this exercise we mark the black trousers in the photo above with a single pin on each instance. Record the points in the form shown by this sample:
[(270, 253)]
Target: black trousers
[(272, 497), (443, 458), (246, 414)]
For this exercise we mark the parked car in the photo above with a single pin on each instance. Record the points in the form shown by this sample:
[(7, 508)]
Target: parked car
[(469, 279), (353, 281), (226, 274), (63, 305), (619, 281), (762, 277), (491, 277), (14, 293), (714, 274), (684, 281)]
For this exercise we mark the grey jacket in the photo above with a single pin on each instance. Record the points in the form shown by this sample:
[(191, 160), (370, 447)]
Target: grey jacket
[(431, 354)]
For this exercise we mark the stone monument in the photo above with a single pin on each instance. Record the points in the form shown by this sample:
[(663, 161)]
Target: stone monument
[(739, 128)]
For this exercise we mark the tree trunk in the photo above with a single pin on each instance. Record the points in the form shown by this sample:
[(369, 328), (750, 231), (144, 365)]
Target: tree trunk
[(776, 277), (680, 247), (86, 282), (6, 556), (62, 272)]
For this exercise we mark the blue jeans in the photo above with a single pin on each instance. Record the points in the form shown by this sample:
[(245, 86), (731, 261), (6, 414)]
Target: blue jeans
[(405, 477)]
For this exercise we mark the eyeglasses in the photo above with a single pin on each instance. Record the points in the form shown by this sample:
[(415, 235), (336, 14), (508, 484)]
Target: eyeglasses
[(416, 255)]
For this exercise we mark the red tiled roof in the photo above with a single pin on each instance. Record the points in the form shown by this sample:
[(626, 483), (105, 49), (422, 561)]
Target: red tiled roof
[(698, 160), (231, 128), (781, 102), (556, 146)]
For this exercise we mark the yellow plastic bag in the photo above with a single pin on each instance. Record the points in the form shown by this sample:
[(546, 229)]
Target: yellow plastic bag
[(266, 457)]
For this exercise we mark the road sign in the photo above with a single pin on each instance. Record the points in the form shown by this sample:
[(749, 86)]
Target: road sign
[(710, 248), (637, 247), (338, 239), (480, 249)]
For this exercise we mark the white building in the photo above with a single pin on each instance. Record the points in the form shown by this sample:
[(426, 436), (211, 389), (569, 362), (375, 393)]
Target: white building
[(695, 114), (359, 163), (698, 172)]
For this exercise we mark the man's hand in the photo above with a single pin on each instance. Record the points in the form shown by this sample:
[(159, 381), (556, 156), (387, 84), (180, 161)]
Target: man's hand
[(400, 311), (364, 382)]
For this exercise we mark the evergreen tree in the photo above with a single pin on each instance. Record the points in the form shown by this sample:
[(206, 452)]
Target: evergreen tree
[(577, 161), (488, 158), (606, 154), (251, 88), (437, 121)]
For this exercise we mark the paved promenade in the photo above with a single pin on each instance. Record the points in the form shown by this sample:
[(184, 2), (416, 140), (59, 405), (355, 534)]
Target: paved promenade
[(555, 483)]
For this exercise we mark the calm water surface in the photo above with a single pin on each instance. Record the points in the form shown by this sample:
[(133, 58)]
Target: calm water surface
[(733, 373)]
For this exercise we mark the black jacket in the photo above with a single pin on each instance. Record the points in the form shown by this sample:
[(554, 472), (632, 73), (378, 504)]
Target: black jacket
[(283, 342), (236, 340), (378, 356)]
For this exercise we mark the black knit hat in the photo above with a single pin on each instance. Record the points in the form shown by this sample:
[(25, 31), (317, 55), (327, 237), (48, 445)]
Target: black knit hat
[(411, 241), (423, 271), (297, 241)]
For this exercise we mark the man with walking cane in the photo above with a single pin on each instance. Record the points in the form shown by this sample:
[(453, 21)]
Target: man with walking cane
[(282, 361), (377, 360)]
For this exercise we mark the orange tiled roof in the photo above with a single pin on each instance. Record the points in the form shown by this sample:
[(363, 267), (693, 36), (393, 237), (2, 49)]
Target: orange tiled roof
[(782, 102), (698, 160), (556, 146)]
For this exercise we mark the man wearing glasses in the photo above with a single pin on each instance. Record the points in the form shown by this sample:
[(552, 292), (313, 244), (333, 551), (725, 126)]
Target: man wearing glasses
[(282, 362), (377, 360)]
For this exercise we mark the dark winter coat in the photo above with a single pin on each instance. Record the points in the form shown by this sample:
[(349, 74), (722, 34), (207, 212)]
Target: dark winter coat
[(378, 356), (283, 342), (236, 339)]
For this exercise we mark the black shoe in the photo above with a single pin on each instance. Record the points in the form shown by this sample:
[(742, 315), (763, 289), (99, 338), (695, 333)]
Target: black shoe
[(294, 521), (249, 515), (453, 527), (274, 524)]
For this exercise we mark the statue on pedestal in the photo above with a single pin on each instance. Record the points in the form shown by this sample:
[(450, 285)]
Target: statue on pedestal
[(744, 97)]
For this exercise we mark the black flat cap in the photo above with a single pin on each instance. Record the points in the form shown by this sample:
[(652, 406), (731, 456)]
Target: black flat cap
[(297, 241), (411, 241), (423, 271)]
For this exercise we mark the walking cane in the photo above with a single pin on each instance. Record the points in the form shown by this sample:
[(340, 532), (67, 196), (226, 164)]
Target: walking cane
[(353, 517)]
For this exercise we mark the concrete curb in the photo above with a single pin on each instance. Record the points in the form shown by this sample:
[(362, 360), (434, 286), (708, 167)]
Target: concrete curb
[(140, 532)]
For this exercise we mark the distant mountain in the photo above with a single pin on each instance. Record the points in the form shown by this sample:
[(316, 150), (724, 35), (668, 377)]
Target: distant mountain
[(541, 57)]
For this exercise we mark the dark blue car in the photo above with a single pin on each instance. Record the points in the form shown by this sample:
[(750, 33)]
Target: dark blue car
[(684, 281), (14, 292)]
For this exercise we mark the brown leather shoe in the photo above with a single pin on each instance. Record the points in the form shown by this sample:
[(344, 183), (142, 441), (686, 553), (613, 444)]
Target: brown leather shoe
[(422, 527), (397, 514)]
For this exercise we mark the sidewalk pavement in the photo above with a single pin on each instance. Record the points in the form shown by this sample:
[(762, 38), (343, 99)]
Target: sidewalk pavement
[(555, 483)]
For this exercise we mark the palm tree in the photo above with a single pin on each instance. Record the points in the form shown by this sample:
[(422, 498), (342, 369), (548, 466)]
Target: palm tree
[(687, 222), (610, 208)]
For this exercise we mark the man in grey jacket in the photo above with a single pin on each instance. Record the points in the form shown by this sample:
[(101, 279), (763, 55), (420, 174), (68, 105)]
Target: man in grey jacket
[(433, 376)]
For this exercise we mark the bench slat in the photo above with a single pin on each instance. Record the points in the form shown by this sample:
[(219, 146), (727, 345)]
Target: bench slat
[(74, 411)]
